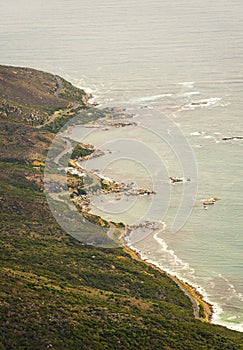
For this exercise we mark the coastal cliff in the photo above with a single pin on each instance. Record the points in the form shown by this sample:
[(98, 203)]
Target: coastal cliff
[(56, 292)]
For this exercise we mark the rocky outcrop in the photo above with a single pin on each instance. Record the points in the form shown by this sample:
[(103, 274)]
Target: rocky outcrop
[(140, 192), (176, 179), (120, 124), (210, 201), (232, 138)]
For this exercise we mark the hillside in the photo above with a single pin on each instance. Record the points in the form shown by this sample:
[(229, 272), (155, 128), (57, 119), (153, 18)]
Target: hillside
[(31, 96), (56, 292)]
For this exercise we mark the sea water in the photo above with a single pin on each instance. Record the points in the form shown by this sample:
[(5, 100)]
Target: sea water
[(182, 59)]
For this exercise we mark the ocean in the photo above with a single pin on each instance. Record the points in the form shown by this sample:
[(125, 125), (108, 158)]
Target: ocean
[(177, 68)]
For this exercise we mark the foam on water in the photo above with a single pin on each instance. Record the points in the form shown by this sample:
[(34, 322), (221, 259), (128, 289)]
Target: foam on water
[(231, 288), (191, 93), (151, 98), (208, 102), (217, 310), (197, 133), (187, 84), (171, 257), (174, 261)]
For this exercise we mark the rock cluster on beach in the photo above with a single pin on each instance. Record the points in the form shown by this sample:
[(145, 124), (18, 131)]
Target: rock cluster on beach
[(110, 186), (97, 184), (113, 117), (82, 202), (152, 225)]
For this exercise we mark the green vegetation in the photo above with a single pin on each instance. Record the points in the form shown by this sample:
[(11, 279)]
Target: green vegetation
[(56, 292), (81, 150), (105, 185), (30, 95), (87, 114), (71, 93), (201, 311), (118, 224)]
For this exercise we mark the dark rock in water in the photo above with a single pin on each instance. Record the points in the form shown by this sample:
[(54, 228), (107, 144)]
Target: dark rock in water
[(174, 179), (232, 138), (199, 103)]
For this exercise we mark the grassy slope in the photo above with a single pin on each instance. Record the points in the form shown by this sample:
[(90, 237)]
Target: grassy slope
[(57, 293), (29, 95)]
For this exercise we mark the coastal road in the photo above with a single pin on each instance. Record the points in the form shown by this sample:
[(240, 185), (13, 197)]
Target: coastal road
[(59, 88), (193, 300), (68, 149)]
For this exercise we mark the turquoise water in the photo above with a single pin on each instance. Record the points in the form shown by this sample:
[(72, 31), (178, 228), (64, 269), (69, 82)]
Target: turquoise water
[(163, 55)]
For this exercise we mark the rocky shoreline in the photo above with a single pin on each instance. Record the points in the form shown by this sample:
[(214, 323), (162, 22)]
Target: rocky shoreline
[(202, 309), (80, 194)]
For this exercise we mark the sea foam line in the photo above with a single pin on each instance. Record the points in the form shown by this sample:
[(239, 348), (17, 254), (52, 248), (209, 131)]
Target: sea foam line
[(217, 310), (188, 84), (152, 98)]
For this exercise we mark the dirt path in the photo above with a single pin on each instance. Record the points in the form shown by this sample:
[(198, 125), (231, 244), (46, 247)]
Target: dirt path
[(59, 86), (56, 94), (66, 150)]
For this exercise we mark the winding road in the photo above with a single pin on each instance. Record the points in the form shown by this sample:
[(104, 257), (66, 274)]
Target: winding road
[(193, 300), (56, 94), (59, 86), (68, 149)]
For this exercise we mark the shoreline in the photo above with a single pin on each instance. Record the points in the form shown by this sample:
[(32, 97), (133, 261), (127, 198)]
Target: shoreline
[(198, 301), (203, 310)]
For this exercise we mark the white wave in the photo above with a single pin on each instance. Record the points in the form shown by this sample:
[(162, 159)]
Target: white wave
[(191, 93), (144, 257), (151, 98), (197, 133), (188, 84), (231, 288), (87, 90), (171, 255), (203, 103), (103, 177), (217, 310), (79, 84), (212, 100), (236, 327)]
